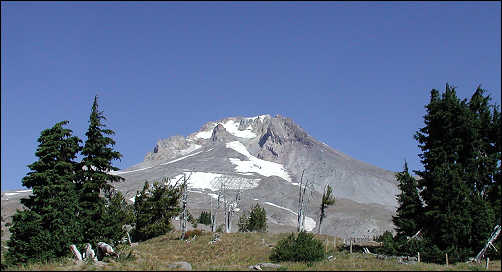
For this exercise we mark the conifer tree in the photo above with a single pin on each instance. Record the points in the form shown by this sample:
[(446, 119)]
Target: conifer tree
[(117, 214), (243, 222), (460, 163), (257, 219), (204, 218), (410, 211), (154, 208), (48, 225), (94, 177), (326, 200)]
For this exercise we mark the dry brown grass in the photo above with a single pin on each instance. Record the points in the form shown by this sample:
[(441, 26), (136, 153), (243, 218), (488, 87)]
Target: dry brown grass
[(237, 251)]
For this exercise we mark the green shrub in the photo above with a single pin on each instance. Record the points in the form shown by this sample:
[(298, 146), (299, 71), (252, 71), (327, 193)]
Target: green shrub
[(220, 228), (303, 248), (389, 246)]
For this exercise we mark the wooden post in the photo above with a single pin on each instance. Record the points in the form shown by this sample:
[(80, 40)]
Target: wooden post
[(487, 262), (418, 256), (350, 246), (334, 244), (446, 259)]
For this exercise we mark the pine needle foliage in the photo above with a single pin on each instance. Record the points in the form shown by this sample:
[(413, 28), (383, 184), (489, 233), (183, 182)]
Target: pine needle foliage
[(48, 225), (154, 207), (461, 160), (95, 179), (408, 216)]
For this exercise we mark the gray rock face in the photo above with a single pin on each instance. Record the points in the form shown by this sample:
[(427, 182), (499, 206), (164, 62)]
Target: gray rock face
[(220, 134), (265, 156)]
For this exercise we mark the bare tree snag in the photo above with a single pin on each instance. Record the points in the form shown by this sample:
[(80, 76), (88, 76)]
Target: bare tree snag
[(229, 206), (495, 234), (184, 200), (76, 253), (89, 253)]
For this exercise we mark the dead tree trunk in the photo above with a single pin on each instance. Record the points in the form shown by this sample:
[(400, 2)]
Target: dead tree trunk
[(76, 253), (495, 234), (303, 203), (229, 206), (213, 217), (184, 199), (89, 253), (300, 205)]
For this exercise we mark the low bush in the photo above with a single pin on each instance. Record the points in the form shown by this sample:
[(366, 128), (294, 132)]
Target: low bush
[(303, 248), (191, 233)]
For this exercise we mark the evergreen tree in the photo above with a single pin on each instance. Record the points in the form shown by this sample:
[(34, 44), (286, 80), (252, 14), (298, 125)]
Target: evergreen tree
[(460, 163), (257, 219), (94, 177), (154, 207), (410, 211), (117, 214), (205, 218), (243, 222), (494, 190), (48, 225), (327, 200)]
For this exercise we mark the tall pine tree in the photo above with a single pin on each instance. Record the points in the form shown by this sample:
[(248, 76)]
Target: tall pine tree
[(48, 225), (96, 163), (408, 217), (460, 163)]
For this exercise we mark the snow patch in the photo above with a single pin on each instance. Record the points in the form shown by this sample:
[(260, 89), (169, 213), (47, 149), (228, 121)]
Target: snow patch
[(181, 158), (309, 222), (253, 164), (123, 172), (11, 194), (190, 148), (233, 128), (215, 196), (205, 134), (212, 181)]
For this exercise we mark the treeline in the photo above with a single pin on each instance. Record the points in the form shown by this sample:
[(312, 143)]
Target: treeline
[(455, 202), (74, 202)]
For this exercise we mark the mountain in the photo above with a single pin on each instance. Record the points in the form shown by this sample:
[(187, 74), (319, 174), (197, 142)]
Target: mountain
[(264, 156)]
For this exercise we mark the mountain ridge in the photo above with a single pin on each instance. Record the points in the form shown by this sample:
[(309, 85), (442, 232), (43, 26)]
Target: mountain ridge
[(264, 156)]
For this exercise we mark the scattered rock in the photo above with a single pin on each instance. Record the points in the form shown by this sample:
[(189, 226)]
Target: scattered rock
[(182, 265), (255, 267), (269, 265)]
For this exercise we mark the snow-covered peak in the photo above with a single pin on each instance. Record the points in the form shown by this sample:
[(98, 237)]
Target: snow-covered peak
[(233, 126)]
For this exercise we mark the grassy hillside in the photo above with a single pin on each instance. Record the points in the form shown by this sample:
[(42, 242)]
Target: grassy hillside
[(236, 251)]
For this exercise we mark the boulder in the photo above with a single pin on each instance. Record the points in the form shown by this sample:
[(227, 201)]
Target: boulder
[(182, 265)]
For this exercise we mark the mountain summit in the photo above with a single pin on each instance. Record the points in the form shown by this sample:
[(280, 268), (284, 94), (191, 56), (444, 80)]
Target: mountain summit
[(264, 156)]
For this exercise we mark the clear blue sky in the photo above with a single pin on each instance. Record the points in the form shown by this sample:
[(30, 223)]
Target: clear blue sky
[(354, 75)]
